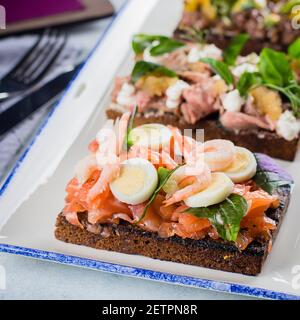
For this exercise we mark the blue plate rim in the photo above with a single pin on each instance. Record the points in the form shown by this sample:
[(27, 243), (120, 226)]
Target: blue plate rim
[(116, 268), (147, 274)]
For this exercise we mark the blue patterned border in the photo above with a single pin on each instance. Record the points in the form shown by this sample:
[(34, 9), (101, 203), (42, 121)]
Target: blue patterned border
[(147, 274), (119, 269)]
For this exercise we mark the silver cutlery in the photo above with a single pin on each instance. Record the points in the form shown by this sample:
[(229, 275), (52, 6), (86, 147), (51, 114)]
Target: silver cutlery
[(34, 65)]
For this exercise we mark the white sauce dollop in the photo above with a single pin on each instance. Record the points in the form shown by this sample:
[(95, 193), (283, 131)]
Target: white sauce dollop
[(174, 93), (287, 126), (246, 64), (126, 95), (242, 68), (232, 101), (204, 51), (252, 58)]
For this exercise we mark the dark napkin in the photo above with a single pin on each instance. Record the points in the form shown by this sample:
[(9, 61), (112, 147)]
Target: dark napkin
[(20, 10)]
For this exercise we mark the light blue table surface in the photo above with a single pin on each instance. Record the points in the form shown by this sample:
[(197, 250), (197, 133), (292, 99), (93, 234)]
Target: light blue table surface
[(32, 279)]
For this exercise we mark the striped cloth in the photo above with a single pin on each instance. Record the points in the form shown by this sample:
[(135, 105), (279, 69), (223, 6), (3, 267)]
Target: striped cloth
[(12, 143)]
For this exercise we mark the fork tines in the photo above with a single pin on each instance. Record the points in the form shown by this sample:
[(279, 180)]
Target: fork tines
[(39, 59)]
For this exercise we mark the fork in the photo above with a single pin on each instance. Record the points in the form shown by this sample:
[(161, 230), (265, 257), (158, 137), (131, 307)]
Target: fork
[(34, 64)]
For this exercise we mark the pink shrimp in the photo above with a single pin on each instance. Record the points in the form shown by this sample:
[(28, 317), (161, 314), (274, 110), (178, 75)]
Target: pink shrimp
[(108, 154), (219, 154), (107, 151), (200, 180), (183, 144), (109, 173), (156, 158), (189, 148), (93, 146), (167, 161), (72, 217), (122, 130)]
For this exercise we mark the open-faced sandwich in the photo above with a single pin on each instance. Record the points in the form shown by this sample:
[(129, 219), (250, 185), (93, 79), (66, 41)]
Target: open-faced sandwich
[(252, 100), (269, 23), (152, 191)]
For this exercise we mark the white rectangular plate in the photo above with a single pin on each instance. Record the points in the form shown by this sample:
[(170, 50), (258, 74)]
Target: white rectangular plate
[(33, 194)]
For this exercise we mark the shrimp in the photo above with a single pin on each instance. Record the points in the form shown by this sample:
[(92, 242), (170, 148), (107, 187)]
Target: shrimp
[(106, 138), (183, 144), (156, 158), (167, 161), (199, 181), (108, 154), (122, 130), (219, 154), (109, 173), (189, 148), (85, 168), (93, 146), (95, 172), (72, 217)]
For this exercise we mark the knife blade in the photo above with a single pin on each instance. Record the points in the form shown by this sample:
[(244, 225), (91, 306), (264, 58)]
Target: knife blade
[(35, 100)]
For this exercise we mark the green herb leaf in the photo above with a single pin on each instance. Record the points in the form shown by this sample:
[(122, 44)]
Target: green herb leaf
[(142, 41), (159, 44), (220, 68), (288, 6), (294, 49), (225, 216), (163, 176), (268, 181), (165, 47), (292, 92), (143, 68), (234, 49), (247, 81), (128, 143), (192, 34), (277, 74), (275, 68)]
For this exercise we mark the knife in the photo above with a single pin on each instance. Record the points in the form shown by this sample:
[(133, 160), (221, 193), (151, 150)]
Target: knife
[(35, 100)]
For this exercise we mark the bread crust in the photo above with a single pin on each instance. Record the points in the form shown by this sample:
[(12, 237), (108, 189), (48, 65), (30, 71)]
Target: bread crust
[(256, 140), (207, 252)]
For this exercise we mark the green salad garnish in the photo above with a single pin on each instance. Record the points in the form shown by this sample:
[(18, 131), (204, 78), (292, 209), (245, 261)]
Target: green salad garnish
[(225, 216), (163, 177), (143, 68), (158, 44)]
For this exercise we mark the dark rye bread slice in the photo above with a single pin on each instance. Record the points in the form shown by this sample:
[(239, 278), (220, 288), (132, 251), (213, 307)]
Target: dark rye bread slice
[(256, 140), (208, 253), (278, 37)]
